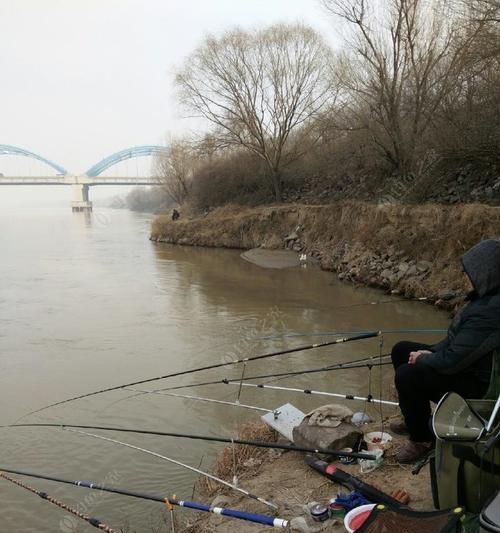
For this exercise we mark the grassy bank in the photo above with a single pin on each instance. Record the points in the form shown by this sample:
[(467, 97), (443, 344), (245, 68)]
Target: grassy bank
[(412, 250)]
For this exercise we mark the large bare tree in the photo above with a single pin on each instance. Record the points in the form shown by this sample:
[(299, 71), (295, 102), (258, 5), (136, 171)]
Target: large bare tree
[(260, 90), (404, 58)]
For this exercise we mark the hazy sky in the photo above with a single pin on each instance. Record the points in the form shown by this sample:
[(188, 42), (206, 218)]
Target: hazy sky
[(81, 79)]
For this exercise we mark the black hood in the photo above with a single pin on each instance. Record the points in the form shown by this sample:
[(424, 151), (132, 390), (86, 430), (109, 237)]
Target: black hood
[(482, 265)]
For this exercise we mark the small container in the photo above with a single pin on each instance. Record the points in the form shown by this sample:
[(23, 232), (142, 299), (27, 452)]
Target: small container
[(368, 465), (319, 512), (377, 440), (336, 510)]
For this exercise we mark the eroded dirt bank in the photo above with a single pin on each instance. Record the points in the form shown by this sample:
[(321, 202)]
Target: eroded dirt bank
[(412, 250)]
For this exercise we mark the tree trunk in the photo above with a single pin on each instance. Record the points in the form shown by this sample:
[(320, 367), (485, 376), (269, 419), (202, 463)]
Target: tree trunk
[(277, 185)]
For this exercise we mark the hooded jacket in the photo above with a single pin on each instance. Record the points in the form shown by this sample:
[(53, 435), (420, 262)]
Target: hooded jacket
[(475, 333)]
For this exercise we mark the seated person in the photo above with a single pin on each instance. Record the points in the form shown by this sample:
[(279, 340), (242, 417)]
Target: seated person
[(460, 363)]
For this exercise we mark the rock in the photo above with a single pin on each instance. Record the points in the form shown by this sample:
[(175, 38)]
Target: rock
[(412, 270), (345, 435), (360, 418), (424, 266), (403, 267), (386, 274), (446, 295)]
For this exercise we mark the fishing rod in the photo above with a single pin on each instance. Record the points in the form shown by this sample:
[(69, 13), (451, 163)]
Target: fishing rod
[(381, 302), (168, 501), (199, 398), (208, 438), (367, 335), (94, 522), (340, 333), (178, 463), (313, 392), (361, 363)]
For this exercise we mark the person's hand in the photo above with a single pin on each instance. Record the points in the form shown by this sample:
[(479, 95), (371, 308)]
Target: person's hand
[(415, 355)]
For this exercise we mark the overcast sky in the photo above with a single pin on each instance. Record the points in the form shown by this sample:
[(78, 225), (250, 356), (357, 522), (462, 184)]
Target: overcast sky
[(81, 79)]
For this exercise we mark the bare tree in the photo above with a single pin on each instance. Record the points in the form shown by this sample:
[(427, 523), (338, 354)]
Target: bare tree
[(487, 10), (404, 59), (261, 90), (175, 169)]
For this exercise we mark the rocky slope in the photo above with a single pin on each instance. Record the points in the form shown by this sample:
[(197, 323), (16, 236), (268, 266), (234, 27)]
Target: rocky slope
[(412, 250)]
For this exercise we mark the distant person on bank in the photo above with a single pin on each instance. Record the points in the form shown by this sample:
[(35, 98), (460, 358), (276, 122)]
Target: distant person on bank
[(460, 363)]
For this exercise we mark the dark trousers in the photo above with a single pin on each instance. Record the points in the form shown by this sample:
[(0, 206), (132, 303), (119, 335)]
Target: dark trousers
[(417, 385)]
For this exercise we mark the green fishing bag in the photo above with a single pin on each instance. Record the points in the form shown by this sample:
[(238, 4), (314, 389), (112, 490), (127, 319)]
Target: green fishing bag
[(463, 473)]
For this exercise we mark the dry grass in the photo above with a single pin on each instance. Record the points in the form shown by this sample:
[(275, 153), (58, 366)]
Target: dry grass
[(235, 460)]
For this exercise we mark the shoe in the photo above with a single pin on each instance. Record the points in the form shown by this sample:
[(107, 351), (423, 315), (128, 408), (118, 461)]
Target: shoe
[(412, 451), (399, 427)]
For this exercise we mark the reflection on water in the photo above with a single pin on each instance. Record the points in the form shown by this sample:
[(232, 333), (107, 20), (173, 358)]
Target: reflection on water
[(87, 302)]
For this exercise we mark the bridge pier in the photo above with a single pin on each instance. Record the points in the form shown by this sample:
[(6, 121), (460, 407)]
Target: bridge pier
[(81, 198)]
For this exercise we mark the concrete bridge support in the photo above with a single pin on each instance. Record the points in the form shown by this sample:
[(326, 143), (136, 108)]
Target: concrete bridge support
[(81, 198)]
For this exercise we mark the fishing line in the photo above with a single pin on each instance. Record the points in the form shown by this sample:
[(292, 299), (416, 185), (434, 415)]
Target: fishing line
[(338, 366), (381, 347), (339, 333), (381, 302), (368, 365), (251, 517), (178, 463), (362, 363), (362, 336), (209, 438), (199, 398)]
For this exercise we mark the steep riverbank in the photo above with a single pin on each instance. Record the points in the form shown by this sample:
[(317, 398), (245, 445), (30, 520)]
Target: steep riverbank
[(412, 250)]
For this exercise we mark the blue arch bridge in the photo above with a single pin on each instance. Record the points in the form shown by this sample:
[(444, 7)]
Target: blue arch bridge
[(81, 183)]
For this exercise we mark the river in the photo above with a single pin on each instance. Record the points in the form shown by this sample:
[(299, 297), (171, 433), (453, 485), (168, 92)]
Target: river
[(88, 302)]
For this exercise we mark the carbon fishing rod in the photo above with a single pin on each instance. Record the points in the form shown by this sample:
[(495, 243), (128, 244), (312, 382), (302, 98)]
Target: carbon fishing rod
[(94, 522), (178, 463), (168, 501), (361, 363), (367, 335), (208, 438), (314, 392)]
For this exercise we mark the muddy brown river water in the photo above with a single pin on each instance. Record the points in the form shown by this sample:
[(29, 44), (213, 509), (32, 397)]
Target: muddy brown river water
[(88, 302)]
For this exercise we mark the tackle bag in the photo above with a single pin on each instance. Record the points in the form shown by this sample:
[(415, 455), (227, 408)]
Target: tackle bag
[(466, 468), (383, 519)]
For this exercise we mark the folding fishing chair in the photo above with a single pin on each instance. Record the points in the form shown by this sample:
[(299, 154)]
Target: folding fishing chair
[(466, 468)]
